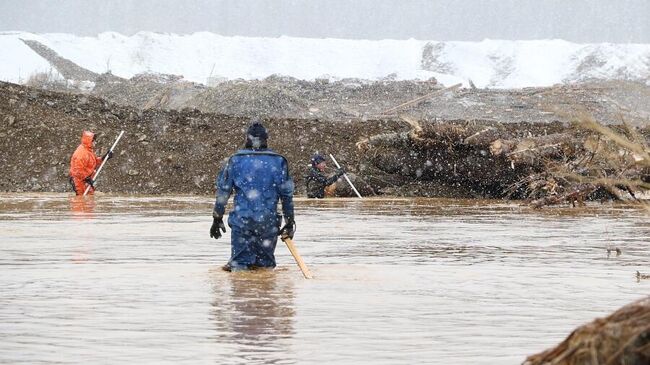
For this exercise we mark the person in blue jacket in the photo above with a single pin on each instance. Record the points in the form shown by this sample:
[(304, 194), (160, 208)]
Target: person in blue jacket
[(259, 178)]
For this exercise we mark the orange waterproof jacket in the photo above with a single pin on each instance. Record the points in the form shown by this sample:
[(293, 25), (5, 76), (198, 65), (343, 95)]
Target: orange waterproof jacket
[(84, 162)]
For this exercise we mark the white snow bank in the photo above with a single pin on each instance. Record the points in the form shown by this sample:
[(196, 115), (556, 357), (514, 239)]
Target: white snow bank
[(499, 64), (17, 61), (514, 64)]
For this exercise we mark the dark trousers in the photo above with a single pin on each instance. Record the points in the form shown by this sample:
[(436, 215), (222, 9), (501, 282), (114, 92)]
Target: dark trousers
[(253, 245)]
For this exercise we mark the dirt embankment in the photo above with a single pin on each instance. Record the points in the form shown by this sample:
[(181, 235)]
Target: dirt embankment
[(161, 152), (168, 151)]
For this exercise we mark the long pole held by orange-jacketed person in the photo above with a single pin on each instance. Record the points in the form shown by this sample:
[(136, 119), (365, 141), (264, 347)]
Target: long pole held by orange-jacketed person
[(103, 162)]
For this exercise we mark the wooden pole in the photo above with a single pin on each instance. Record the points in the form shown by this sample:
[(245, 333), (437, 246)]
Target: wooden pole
[(294, 252)]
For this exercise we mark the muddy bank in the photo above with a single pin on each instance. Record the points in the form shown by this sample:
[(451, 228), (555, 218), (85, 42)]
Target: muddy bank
[(161, 152), (169, 151)]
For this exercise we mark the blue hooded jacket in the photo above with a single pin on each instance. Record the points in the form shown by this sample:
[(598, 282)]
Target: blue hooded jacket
[(260, 178)]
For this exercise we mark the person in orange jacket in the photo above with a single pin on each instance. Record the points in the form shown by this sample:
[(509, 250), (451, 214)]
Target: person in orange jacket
[(83, 164)]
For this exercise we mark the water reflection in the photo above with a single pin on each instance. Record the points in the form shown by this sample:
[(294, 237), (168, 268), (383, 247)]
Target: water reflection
[(82, 207), (254, 313)]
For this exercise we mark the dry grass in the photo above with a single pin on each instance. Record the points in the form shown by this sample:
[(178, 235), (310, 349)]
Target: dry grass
[(616, 159), (42, 79), (622, 338), (638, 147), (635, 156)]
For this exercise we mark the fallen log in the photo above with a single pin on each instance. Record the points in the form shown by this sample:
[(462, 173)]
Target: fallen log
[(535, 149), (484, 137), (420, 99)]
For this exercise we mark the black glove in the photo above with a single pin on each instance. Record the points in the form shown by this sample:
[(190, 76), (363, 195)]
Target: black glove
[(217, 225), (340, 171), (289, 228), (107, 156), (90, 181)]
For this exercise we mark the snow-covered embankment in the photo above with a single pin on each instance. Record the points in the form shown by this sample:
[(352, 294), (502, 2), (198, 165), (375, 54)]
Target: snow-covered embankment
[(490, 63)]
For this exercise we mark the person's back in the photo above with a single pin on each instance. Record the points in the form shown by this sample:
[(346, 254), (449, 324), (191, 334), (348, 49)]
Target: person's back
[(259, 178)]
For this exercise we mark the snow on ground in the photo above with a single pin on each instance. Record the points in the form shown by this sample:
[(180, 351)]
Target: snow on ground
[(17, 61), (490, 63)]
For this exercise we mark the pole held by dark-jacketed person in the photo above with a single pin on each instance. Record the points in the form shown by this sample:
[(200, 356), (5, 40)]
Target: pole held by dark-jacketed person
[(103, 163), (346, 177)]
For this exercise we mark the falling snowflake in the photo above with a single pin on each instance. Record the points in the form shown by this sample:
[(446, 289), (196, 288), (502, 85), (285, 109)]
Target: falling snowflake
[(253, 194)]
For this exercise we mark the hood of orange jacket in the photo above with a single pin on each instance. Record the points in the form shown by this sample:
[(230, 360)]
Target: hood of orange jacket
[(87, 139), (84, 162)]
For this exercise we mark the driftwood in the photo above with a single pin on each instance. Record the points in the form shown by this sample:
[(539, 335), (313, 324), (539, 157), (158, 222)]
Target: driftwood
[(576, 196), (420, 99), (484, 137), (536, 149), (453, 154), (567, 165)]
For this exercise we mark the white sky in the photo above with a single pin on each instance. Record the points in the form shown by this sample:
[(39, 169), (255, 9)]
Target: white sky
[(582, 21)]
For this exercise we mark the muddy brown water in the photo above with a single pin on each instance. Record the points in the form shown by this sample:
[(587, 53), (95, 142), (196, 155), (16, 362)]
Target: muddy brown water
[(119, 279)]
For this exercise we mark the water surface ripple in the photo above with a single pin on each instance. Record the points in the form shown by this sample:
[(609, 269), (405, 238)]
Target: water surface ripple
[(137, 280)]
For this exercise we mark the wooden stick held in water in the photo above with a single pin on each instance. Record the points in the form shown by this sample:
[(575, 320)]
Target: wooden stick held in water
[(294, 252)]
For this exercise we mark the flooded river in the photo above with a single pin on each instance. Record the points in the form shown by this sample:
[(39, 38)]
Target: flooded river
[(138, 280)]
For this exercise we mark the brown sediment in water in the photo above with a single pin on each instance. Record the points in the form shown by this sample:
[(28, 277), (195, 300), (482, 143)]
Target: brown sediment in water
[(170, 151), (453, 272), (620, 338)]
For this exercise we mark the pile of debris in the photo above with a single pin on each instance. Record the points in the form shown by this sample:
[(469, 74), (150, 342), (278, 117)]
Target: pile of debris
[(274, 96), (623, 338), (543, 163), (147, 91)]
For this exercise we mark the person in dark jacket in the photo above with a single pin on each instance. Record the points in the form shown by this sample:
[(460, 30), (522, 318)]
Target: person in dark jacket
[(316, 181), (259, 178)]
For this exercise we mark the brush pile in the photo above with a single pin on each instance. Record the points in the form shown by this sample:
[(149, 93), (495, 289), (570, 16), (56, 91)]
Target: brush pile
[(543, 163), (623, 338)]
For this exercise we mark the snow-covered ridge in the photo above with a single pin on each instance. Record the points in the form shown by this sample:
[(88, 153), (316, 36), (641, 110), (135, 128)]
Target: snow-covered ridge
[(490, 63)]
